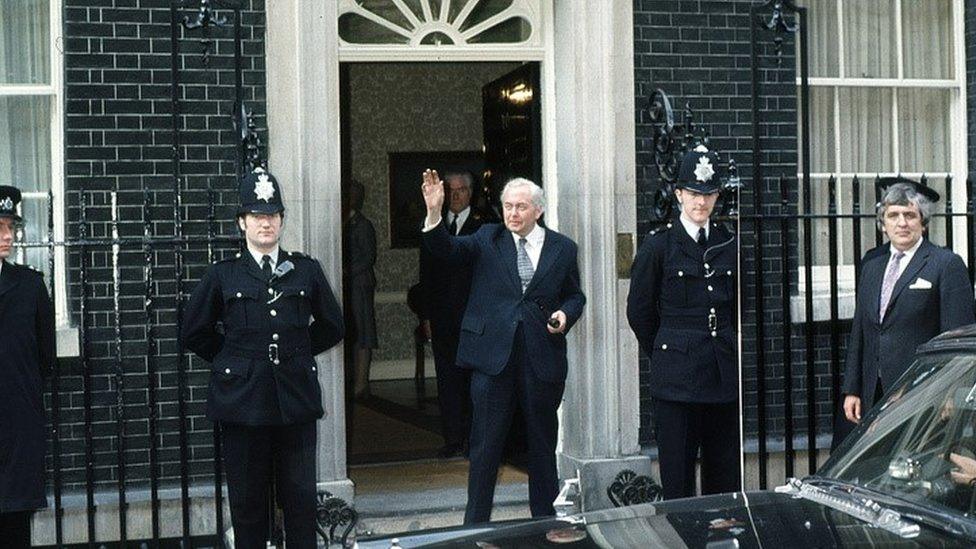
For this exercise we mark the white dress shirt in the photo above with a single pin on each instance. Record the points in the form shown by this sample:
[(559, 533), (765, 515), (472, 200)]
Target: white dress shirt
[(909, 253), (692, 228), (461, 216), (533, 244), (258, 255)]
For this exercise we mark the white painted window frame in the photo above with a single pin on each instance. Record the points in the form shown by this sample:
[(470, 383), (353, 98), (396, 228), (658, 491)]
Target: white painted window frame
[(958, 157), (67, 340)]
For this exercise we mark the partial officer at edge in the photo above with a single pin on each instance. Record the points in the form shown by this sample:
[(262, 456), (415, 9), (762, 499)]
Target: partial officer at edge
[(264, 387), (680, 307), (27, 347)]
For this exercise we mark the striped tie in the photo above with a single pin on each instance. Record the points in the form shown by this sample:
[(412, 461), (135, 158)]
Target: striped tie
[(888, 285), (525, 269)]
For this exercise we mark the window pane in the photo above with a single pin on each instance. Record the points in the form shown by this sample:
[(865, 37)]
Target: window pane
[(923, 130), (24, 42), (34, 212), (356, 29), (822, 34), (25, 142), (865, 130), (927, 39), (821, 130), (511, 30), (485, 10), (869, 39)]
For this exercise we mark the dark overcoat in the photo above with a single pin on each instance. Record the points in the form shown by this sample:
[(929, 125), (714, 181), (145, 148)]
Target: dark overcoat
[(259, 340), (681, 308), (27, 351)]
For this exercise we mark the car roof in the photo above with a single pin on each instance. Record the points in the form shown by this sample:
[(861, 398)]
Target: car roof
[(960, 338)]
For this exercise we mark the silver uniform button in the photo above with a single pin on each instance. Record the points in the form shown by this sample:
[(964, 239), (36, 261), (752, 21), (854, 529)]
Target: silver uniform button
[(274, 312), (728, 273), (277, 362), (664, 347), (237, 255), (274, 337), (712, 310), (301, 293), (271, 291), (239, 294), (226, 370), (706, 266), (681, 273), (313, 369), (709, 287), (714, 333)]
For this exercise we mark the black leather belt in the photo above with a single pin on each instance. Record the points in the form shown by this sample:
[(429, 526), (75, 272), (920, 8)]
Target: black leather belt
[(706, 321), (273, 353)]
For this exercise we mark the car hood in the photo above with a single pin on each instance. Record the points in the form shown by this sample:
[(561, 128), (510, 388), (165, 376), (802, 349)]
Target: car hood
[(754, 519)]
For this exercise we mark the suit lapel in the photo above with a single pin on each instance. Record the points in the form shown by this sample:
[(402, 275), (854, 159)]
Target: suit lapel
[(918, 261), (546, 260), (872, 278), (505, 245)]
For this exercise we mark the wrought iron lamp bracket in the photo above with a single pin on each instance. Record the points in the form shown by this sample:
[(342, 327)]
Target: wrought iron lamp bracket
[(629, 488), (779, 23), (206, 19), (332, 513)]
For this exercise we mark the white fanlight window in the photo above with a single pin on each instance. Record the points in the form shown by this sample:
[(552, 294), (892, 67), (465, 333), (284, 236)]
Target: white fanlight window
[(887, 97), (444, 29)]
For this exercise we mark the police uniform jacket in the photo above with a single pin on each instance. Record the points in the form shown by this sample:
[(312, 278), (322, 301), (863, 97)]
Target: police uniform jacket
[(680, 307), (259, 340), (27, 351)]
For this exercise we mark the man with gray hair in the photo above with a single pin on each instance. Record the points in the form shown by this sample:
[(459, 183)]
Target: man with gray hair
[(524, 298), (910, 291)]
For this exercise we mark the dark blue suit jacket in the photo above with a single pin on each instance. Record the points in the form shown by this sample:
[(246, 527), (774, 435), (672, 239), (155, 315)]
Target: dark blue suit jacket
[(497, 305), (931, 296)]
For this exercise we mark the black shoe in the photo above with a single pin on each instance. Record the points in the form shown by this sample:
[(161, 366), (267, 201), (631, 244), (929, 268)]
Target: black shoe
[(451, 450)]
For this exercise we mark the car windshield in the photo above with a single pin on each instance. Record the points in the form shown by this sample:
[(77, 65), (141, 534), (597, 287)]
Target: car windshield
[(919, 443)]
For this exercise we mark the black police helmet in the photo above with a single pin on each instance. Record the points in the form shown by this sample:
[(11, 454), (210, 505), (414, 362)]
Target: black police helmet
[(260, 194), (698, 171)]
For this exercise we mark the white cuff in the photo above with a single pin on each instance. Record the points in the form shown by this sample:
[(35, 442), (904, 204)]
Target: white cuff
[(427, 228)]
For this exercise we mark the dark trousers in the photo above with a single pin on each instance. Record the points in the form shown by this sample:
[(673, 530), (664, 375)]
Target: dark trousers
[(684, 428), (15, 529), (493, 400), (453, 390), (253, 457)]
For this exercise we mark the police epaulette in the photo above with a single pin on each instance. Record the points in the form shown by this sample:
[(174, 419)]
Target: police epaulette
[(231, 257), (660, 230)]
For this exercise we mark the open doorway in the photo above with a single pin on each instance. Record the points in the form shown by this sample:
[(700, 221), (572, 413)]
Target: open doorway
[(396, 120)]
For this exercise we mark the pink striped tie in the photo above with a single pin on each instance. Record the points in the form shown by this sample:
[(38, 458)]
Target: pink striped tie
[(891, 276)]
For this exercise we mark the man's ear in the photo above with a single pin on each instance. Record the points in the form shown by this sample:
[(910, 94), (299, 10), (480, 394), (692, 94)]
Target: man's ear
[(240, 223)]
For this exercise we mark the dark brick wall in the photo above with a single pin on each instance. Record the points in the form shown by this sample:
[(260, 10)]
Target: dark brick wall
[(119, 136), (699, 53)]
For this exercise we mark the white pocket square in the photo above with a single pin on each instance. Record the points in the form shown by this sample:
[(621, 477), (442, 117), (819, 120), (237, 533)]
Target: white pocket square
[(921, 284)]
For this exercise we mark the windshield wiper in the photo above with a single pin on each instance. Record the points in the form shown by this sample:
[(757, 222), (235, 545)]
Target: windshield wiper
[(913, 510), (837, 497)]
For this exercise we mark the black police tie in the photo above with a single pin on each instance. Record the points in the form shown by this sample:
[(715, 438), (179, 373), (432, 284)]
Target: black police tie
[(453, 227), (702, 240), (266, 267)]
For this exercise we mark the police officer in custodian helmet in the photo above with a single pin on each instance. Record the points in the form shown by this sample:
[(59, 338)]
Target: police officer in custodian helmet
[(680, 307), (264, 387)]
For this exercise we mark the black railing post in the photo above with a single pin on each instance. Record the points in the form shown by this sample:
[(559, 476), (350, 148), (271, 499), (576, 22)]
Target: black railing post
[(948, 210), (834, 308), (151, 364), (120, 436), (86, 368), (856, 228), (784, 227), (55, 384), (757, 233), (178, 264)]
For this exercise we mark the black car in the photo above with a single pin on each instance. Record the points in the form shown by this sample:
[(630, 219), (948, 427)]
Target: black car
[(906, 477)]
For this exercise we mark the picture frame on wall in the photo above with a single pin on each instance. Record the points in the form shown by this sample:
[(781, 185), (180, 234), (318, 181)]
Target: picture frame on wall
[(407, 210)]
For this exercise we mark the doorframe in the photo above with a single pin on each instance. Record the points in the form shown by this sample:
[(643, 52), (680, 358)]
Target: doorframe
[(598, 160)]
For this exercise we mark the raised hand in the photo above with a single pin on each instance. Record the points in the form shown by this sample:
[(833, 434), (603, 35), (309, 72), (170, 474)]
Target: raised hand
[(433, 191)]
